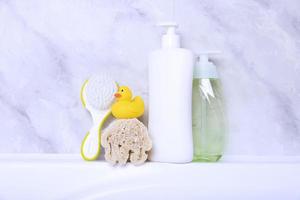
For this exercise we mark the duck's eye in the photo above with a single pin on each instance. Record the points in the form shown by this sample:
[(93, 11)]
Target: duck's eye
[(122, 90)]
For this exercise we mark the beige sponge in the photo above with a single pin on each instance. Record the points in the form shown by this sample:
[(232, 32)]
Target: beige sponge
[(126, 140)]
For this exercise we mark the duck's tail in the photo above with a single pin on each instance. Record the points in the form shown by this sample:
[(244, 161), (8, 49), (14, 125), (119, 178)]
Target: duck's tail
[(139, 103)]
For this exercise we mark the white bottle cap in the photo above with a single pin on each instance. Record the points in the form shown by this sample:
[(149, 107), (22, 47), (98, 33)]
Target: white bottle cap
[(170, 39), (204, 67)]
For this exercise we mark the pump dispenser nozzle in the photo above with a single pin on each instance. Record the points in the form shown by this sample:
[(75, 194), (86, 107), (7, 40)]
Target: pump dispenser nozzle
[(170, 39), (204, 67)]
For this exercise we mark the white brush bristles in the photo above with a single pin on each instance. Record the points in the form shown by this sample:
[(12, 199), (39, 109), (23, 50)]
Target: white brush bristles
[(100, 91)]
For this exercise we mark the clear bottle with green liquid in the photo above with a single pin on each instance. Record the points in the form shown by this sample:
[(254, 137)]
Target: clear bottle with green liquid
[(209, 127)]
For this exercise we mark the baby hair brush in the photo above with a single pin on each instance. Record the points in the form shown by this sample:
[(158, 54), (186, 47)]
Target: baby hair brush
[(97, 95)]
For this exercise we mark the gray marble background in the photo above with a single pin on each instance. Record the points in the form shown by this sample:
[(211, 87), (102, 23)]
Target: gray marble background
[(48, 48)]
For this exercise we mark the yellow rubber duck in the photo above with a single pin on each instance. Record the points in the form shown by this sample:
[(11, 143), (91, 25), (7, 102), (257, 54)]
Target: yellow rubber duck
[(125, 107)]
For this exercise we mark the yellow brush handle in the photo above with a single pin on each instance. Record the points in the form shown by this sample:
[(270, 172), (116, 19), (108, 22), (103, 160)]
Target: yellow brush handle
[(88, 142)]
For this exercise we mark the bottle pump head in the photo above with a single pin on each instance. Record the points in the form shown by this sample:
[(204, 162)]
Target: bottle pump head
[(204, 67), (170, 39)]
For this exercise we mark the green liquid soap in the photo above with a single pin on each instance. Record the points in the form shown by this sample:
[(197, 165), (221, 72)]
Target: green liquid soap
[(208, 120)]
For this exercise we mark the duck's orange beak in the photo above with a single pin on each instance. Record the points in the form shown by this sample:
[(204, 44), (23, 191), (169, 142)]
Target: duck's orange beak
[(118, 95)]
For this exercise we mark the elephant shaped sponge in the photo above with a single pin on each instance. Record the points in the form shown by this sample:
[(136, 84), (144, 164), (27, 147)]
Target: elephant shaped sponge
[(126, 140)]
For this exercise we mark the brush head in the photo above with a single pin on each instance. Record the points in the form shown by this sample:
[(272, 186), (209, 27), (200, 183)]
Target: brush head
[(99, 91)]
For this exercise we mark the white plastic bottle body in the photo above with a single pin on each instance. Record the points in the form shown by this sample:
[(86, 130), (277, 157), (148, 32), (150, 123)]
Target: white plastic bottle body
[(170, 105)]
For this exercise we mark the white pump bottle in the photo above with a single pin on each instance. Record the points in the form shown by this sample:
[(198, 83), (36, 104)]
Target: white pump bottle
[(170, 99)]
